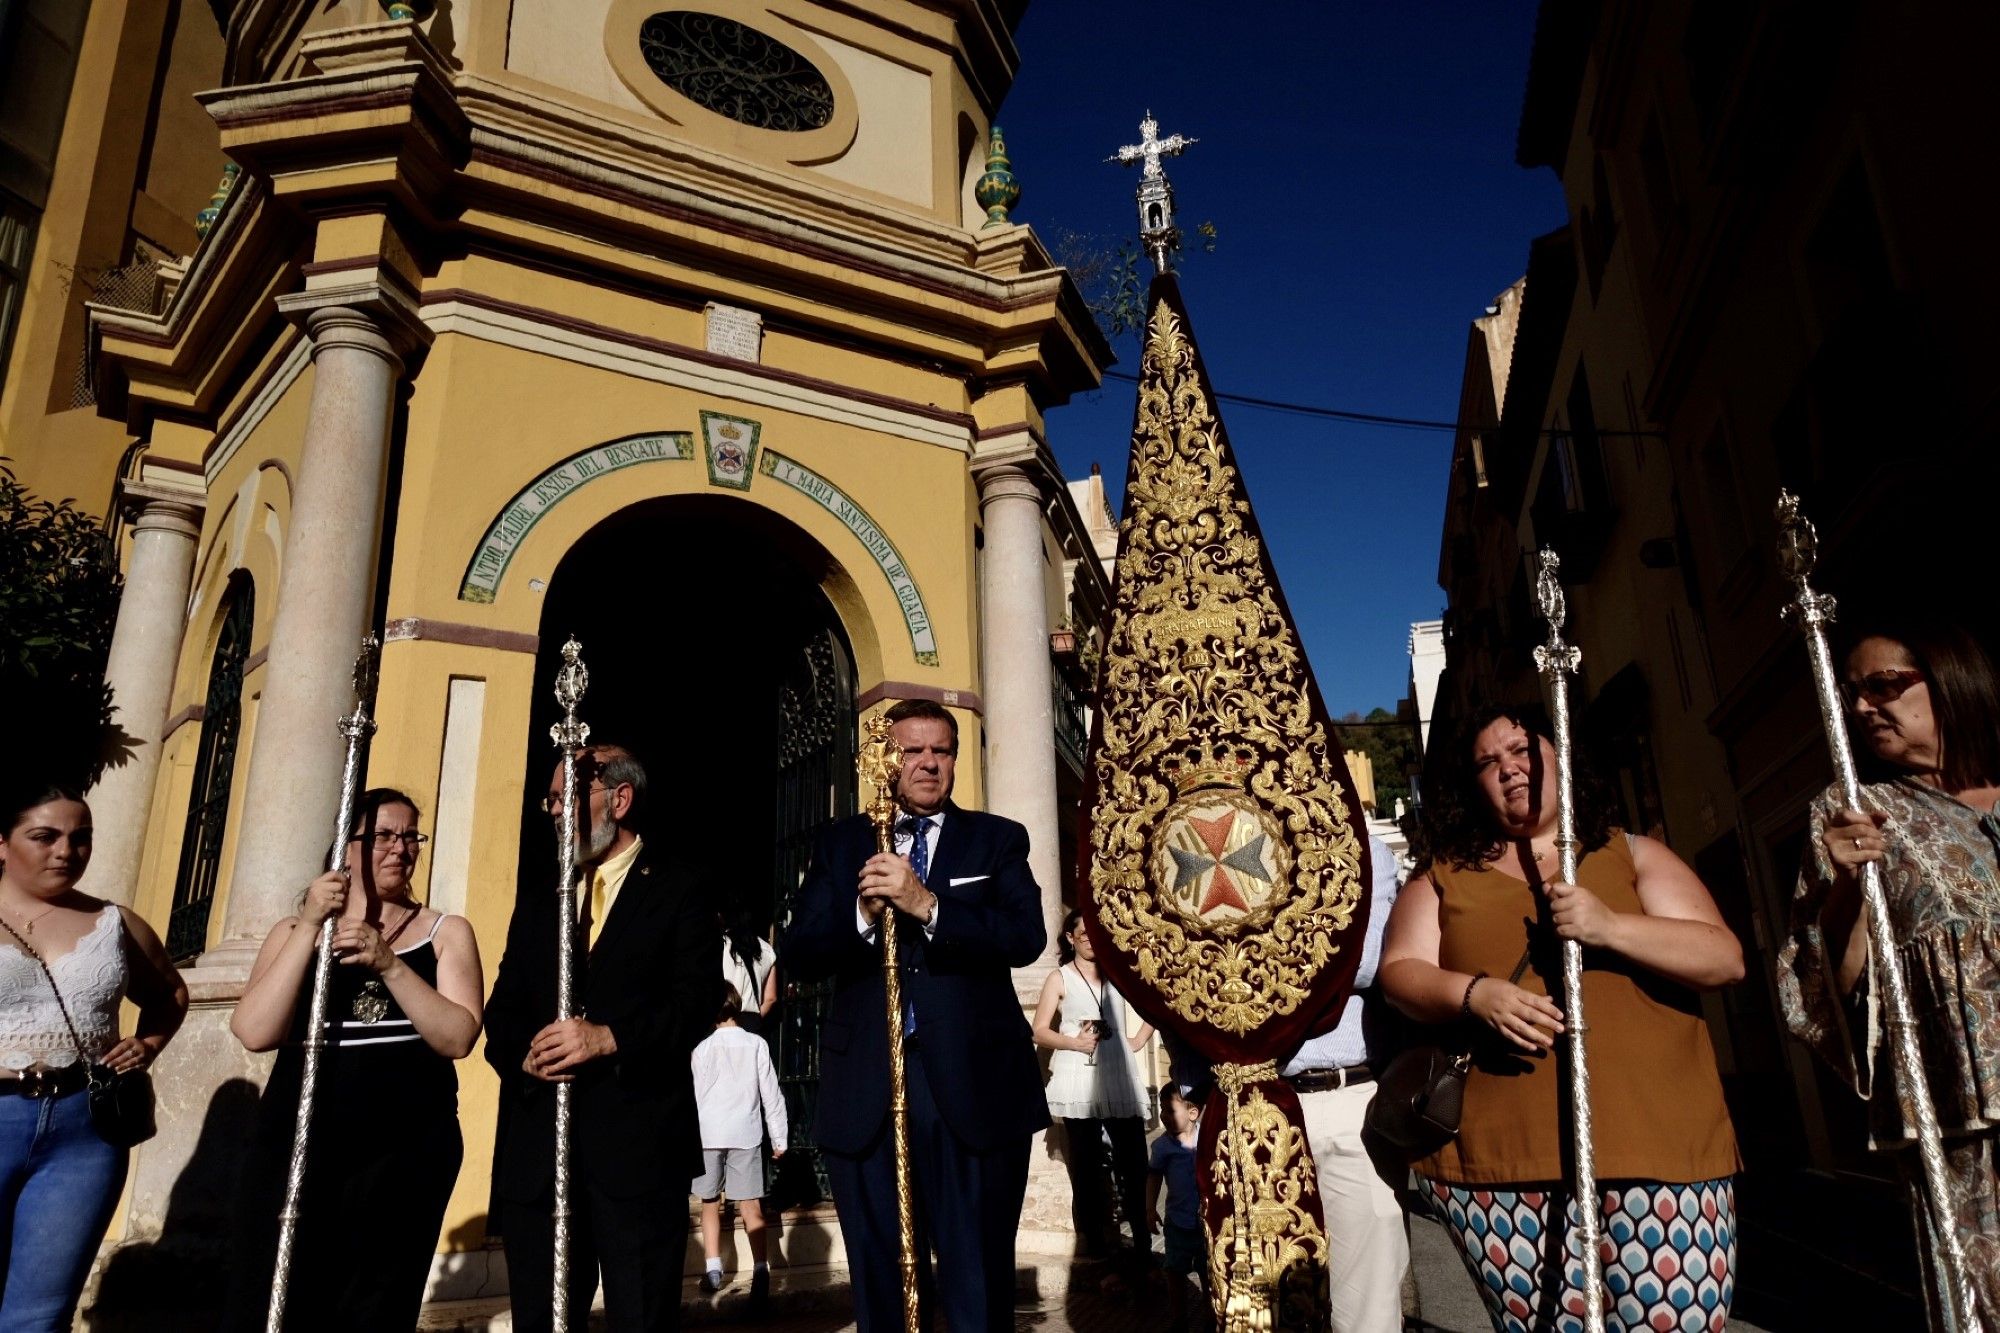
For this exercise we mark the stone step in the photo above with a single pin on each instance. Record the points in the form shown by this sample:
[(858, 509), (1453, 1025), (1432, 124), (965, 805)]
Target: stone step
[(798, 1290)]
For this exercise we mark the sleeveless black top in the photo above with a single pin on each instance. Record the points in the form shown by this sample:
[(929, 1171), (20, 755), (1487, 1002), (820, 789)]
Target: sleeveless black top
[(374, 1055)]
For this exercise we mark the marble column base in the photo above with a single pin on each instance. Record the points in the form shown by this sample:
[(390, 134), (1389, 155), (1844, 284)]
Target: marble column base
[(172, 1251)]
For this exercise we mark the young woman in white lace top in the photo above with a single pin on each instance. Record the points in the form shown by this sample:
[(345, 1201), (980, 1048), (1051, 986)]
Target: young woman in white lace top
[(59, 1181)]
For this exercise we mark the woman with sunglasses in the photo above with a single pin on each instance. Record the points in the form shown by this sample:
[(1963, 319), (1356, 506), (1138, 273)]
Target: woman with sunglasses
[(406, 1001), (1925, 707)]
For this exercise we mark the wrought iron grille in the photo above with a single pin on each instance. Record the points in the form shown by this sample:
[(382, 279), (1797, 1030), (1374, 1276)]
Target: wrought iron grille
[(215, 764), (816, 746), (1072, 721), (736, 71)]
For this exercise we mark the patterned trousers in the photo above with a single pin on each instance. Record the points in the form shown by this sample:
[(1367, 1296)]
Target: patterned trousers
[(1669, 1254)]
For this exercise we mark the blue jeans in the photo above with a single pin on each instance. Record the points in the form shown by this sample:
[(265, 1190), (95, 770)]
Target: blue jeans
[(58, 1185)]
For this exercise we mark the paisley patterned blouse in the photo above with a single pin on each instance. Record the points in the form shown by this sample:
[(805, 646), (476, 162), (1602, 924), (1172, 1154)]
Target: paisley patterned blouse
[(1941, 871)]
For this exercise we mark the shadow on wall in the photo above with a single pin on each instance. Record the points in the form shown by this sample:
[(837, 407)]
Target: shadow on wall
[(176, 1281)]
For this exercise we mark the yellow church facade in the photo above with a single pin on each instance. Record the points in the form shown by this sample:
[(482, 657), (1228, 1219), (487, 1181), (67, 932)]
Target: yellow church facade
[(514, 321)]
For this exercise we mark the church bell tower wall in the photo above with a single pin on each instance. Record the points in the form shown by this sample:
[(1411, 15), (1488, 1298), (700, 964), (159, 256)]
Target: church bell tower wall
[(867, 105), (575, 313)]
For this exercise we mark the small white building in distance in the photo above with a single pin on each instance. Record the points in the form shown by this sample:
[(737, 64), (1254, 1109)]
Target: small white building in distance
[(1426, 665)]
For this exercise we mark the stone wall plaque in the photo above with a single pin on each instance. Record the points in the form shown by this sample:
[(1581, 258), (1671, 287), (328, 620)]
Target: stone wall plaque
[(734, 332)]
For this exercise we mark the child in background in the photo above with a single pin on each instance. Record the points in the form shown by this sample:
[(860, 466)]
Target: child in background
[(736, 1095), (1172, 1165)]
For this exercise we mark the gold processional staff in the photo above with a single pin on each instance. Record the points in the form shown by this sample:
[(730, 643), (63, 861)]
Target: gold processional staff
[(880, 764), (569, 736), (1557, 661), (1798, 552), (355, 728)]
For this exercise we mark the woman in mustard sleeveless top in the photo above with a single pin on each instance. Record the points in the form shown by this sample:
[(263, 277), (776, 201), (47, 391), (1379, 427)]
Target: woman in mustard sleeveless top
[(1665, 1151)]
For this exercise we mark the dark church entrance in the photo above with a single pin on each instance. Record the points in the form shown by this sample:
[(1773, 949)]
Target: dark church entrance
[(716, 659)]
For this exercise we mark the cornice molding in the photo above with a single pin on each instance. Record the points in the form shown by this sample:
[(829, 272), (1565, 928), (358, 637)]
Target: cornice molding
[(473, 315), (380, 124)]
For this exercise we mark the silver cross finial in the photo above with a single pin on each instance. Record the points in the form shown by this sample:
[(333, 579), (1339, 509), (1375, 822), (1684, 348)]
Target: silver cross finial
[(1151, 147), (1156, 192)]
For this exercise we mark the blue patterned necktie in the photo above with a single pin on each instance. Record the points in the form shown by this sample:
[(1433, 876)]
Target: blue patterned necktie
[(920, 862), (920, 848)]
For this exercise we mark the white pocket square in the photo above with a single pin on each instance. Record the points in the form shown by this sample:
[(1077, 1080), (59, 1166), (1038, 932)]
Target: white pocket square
[(970, 879)]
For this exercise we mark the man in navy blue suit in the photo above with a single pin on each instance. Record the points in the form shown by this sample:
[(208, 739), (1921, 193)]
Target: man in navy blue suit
[(970, 912)]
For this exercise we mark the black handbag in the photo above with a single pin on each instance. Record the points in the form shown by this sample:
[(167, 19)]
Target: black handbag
[(1421, 1094), (121, 1105)]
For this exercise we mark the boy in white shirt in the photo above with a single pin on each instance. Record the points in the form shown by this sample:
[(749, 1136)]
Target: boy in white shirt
[(736, 1095)]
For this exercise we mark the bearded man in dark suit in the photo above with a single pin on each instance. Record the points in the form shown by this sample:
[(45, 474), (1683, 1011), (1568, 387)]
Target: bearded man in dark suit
[(647, 989), (970, 912)]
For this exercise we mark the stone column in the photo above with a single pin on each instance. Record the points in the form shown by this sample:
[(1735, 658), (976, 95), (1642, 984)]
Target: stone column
[(325, 598), (1017, 685), (145, 646)]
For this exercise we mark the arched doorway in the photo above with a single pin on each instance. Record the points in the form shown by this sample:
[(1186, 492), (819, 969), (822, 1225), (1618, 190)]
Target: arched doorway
[(715, 657)]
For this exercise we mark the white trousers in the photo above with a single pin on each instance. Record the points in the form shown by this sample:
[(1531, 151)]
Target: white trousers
[(1368, 1243)]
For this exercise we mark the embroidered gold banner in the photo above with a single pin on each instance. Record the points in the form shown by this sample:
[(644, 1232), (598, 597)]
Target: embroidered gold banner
[(1225, 857)]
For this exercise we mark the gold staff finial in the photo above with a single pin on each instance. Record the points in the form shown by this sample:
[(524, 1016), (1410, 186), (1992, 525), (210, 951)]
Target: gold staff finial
[(880, 763)]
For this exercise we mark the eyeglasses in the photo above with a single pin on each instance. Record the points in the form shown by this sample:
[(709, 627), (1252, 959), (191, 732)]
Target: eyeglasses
[(1880, 687), (552, 803), (384, 839)]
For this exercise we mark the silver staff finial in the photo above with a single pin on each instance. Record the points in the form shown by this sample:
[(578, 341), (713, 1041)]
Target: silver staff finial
[(1555, 655), (367, 670), (1156, 193), (1798, 554), (571, 681)]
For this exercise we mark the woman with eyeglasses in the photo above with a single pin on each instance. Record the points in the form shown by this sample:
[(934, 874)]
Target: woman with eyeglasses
[(1924, 704), (406, 1001)]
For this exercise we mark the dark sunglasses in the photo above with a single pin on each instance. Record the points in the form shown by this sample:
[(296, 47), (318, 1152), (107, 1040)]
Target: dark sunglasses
[(1880, 687)]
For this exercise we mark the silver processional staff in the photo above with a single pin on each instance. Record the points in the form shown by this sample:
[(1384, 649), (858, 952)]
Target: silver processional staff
[(1557, 661), (569, 735), (355, 728), (1798, 552)]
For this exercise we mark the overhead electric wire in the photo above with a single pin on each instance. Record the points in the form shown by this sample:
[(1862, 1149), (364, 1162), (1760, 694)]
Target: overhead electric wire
[(1308, 410), (1375, 418)]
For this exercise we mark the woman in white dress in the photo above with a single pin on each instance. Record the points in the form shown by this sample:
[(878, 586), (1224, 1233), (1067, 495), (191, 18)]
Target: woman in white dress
[(1094, 1086)]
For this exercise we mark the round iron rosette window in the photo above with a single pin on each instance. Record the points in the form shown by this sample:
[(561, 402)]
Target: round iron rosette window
[(736, 71)]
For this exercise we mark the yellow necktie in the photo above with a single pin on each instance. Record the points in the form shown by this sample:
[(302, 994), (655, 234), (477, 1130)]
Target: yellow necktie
[(597, 895)]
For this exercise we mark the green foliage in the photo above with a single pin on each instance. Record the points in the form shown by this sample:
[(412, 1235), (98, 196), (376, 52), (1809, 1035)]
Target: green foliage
[(58, 601), (1390, 743), (1112, 275)]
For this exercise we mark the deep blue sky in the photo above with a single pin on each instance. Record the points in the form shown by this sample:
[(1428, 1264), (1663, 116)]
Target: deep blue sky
[(1357, 160)]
